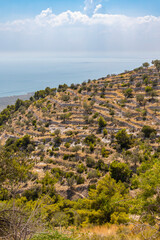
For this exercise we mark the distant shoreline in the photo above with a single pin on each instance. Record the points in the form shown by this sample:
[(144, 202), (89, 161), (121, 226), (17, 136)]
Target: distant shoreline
[(10, 100)]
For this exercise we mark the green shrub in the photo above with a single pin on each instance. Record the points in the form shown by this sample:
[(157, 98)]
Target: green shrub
[(80, 179), (101, 122), (93, 174), (128, 93), (120, 171), (90, 162), (123, 139), (147, 130), (119, 218), (104, 152), (90, 139), (67, 145), (80, 168)]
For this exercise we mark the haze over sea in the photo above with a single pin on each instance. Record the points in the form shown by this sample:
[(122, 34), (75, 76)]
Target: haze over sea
[(21, 73)]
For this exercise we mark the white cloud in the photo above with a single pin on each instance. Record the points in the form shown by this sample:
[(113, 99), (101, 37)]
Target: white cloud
[(99, 6), (88, 4), (76, 31)]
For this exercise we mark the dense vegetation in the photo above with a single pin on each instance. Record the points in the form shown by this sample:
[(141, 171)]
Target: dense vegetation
[(83, 156)]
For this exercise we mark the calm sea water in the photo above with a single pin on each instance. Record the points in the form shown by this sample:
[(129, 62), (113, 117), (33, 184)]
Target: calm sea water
[(23, 74)]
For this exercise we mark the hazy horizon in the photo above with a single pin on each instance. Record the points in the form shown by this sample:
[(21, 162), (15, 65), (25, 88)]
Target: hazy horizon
[(39, 39), (82, 26)]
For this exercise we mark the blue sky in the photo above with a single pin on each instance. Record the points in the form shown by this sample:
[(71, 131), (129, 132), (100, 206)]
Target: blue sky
[(80, 25), (13, 9)]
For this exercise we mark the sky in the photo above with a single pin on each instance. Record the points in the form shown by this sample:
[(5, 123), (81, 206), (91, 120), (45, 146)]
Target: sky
[(97, 26)]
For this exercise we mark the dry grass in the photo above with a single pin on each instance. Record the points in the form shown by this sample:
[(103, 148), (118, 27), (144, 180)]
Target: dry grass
[(115, 232)]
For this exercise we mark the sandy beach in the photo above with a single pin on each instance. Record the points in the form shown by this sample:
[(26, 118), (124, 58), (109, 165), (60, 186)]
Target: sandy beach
[(5, 101)]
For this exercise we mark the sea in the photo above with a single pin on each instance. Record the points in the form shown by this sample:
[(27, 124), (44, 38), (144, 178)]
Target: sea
[(22, 73)]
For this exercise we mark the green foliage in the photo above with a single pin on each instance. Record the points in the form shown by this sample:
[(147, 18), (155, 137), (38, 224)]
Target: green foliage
[(81, 168), (79, 179), (57, 172), (105, 132), (65, 98), (6, 114), (100, 165), (62, 88), (43, 93), (109, 197), (96, 115), (147, 130), (140, 98), (93, 174), (120, 171), (47, 185), (14, 169), (91, 147), (119, 218), (67, 145), (128, 93), (90, 162), (90, 139), (156, 64), (123, 139), (57, 141), (101, 122), (33, 193), (24, 143), (148, 89), (148, 199), (65, 117), (51, 236), (146, 64), (104, 152)]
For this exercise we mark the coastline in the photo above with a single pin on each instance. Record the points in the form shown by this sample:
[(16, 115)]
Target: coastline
[(10, 100)]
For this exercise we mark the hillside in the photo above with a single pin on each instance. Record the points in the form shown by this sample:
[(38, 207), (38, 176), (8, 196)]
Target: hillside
[(71, 137)]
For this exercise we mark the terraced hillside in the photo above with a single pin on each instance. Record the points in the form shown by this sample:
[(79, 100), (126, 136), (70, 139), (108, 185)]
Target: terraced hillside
[(71, 133)]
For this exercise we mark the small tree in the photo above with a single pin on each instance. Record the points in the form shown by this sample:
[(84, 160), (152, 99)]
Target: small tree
[(156, 64), (60, 219), (57, 132), (128, 93), (147, 130), (102, 123), (140, 98), (123, 139), (120, 171), (148, 89), (145, 65)]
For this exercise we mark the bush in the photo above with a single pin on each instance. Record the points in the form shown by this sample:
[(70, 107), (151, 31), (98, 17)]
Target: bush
[(128, 93), (67, 145), (120, 171), (123, 139), (65, 98), (100, 165), (119, 218), (102, 123), (57, 141), (96, 115), (90, 162), (104, 152), (57, 172), (93, 174), (90, 139), (32, 193), (147, 130), (148, 89), (105, 132), (80, 168), (80, 179)]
